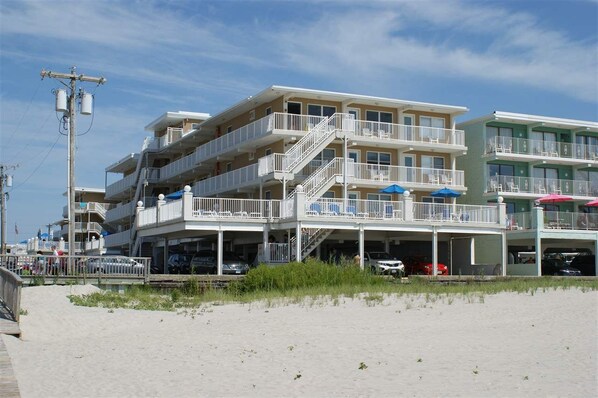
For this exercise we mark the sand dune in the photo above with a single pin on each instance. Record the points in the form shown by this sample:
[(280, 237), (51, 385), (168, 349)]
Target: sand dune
[(508, 345)]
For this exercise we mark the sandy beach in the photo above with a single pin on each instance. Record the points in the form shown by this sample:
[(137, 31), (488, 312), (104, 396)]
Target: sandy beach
[(515, 345)]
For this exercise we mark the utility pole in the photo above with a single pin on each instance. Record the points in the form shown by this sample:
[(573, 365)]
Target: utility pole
[(72, 99), (5, 180)]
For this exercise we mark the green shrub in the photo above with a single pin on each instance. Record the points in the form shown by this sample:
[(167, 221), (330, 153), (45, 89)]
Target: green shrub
[(296, 276)]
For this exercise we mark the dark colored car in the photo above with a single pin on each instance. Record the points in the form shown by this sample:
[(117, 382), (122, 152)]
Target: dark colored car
[(422, 265), (179, 263), (586, 263), (555, 266), (205, 262)]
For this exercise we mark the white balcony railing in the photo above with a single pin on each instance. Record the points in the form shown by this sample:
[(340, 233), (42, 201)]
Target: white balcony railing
[(408, 176), (445, 212), (246, 176), (408, 134), (554, 220), (541, 186), (118, 239), (151, 174), (542, 149)]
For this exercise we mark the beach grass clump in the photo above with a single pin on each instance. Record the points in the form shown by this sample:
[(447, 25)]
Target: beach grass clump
[(312, 274)]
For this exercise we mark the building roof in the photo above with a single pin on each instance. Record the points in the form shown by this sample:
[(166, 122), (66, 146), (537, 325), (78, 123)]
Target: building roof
[(273, 92), (521, 118), (169, 118)]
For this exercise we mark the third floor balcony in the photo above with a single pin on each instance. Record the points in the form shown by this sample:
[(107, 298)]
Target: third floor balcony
[(522, 149)]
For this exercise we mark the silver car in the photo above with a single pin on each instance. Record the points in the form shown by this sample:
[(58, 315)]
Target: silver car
[(114, 265), (383, 263)]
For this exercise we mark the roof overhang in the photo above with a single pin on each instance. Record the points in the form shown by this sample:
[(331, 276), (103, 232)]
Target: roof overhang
[(535, 121), (170, 118), (273, 92)]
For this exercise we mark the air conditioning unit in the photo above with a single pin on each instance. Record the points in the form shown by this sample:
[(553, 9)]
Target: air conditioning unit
[(195, 126)]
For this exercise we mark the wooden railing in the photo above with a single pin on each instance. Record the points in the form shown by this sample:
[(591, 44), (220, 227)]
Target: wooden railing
[(10, 291)]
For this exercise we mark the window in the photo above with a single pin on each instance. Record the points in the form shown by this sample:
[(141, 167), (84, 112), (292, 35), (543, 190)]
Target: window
[(252, 115), (323, 157), (432, 128), (328, 195), (320, 110), (587, 182), (379, 121), (268, 110), (587, 147), (379, 196), (432, 162), (380, 158), (229, 167), (546, 180), (499, 138), (229, 129), (495, 170), (268, 151), (294, 108), (544, 143)]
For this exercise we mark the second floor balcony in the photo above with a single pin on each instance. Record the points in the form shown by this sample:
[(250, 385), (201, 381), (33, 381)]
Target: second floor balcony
[(531, 187)]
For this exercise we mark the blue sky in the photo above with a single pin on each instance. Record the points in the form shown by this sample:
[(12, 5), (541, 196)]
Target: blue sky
[(537, 57)]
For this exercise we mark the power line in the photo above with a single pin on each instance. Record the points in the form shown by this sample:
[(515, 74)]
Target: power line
[(38, 166), (24, 113)]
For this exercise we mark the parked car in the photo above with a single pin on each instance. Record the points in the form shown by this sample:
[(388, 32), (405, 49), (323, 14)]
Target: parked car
[(179, 263), (555, 266), (586, 263), (114, 265), (205, 262), (422, 265), (383, 263)]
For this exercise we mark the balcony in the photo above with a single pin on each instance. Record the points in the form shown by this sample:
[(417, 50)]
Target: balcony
[(531, 187), (83, 227), (521, 149), (407, 177), (417, 137), (232, 181), (553, 220), (119, 239), (126, 184)]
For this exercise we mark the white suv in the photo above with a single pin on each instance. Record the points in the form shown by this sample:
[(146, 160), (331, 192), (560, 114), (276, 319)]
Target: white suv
[(383, 263)]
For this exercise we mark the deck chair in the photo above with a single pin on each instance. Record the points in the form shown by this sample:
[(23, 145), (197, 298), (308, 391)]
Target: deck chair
[(314, 209)]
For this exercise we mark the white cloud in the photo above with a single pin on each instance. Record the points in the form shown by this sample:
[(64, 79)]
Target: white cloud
[(477, 41)]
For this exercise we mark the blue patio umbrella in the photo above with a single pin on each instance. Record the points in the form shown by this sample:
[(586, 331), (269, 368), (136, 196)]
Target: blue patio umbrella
[(175, 195), (394, 188), (445, 193), (43, 236)]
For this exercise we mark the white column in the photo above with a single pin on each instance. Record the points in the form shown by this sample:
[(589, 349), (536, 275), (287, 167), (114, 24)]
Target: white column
[(504, 252), (298, 241), (361, 245), (220, 250), (434, 252)]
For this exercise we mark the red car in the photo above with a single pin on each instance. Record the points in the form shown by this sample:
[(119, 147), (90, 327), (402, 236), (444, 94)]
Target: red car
[(422, 265)]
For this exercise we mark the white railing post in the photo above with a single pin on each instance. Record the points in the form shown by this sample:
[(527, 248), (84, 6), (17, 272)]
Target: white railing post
[(502, 212), (137, 211), (187, 203), (407, 206), (299, 199), (159, 204), (537, 217), (61, 244)]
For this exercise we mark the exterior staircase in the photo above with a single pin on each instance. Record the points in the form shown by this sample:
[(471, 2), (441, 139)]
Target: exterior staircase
[(312, 238)]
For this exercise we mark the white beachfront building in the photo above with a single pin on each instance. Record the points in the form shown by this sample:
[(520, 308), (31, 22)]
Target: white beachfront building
[(293, 172)]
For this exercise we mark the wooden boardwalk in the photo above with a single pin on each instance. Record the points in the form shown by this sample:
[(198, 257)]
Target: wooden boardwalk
[(9, 388)]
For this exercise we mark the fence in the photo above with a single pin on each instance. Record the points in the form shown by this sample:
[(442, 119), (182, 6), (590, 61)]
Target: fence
[(77, 266), (10, 291)]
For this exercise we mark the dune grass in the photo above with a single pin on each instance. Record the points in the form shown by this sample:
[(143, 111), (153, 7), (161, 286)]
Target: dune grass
[(314, 280)]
